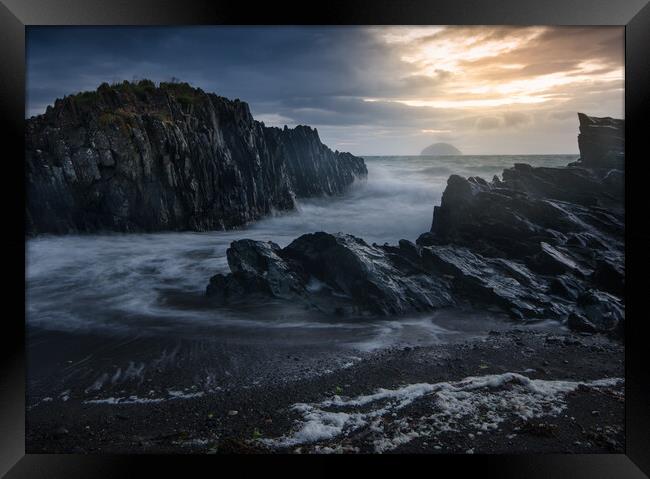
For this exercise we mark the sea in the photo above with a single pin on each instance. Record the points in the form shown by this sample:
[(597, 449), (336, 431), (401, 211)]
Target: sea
[(154, 283)]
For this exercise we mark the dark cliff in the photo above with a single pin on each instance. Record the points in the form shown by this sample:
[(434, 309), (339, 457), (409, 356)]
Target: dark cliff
[(137, 157), (601, 141)]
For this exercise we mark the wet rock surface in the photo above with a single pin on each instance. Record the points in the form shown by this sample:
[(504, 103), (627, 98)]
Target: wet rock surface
[(539, 243), (339, 274), (141, 157)]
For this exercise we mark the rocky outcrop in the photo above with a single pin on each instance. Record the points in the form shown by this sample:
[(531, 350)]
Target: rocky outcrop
[(141, 157), (566, 225), (539, 243), (572, 207), (601, 142), (341, 274), (572, 249)]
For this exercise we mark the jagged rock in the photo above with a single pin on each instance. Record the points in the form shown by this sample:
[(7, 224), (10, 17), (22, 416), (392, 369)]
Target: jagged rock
[(529, 245), (578, 184), (565, 224), (601, 142), (136, 157), (507, 219), (333, 273), (553, 261), (257, 268), (491, 281), (342, 273)]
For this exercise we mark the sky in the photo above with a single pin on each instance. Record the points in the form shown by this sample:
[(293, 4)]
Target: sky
[(383, 90)]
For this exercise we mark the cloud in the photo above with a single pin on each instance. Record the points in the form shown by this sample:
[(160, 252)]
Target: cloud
[(516, 118), (488, 123), (494, 89)]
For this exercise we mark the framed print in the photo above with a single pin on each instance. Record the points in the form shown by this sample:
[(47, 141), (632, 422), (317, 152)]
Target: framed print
[(392, 233)]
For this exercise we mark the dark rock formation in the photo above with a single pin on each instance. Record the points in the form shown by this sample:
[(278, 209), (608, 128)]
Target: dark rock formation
[(440, 149), (136, 157), (541, 243), (601, 142), (565, 224), (513, 217), (342, 274)]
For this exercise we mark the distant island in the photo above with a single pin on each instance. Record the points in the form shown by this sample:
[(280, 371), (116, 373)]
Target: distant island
[(440, 149)]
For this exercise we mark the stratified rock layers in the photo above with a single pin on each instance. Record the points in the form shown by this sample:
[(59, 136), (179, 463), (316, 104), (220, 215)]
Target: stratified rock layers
[(136, 157)]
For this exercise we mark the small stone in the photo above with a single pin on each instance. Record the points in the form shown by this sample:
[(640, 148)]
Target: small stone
[(233, 412)]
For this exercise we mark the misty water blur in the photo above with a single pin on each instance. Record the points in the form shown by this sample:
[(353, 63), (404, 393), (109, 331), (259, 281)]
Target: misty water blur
[(155, 282)]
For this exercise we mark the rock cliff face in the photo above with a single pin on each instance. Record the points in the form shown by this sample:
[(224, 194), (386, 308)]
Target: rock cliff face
[(136, 157), (601, 141), (541, 243)]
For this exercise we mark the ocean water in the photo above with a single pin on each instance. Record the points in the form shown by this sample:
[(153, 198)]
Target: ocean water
[(153, 283)]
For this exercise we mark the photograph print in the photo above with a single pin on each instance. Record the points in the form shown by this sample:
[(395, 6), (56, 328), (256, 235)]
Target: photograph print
[(325, 239)]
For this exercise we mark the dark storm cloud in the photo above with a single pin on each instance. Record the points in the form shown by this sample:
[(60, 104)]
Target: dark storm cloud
[(327, 76), (278, 65)]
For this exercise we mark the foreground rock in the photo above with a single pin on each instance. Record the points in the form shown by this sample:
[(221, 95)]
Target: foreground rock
[(539, 243), (339, 273), (136, 157), (343, 275)]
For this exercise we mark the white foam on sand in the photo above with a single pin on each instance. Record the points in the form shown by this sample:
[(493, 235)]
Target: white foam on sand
[(478, 403), (172, 395), (184, 395), (125, 400)]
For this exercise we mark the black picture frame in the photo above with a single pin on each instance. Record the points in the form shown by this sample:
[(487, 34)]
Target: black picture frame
[(15, 15)]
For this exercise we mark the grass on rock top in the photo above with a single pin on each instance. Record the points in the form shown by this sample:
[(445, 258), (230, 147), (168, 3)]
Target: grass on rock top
[(144, 92)]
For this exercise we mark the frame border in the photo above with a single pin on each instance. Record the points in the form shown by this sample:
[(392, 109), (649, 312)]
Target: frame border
[(633, 14)]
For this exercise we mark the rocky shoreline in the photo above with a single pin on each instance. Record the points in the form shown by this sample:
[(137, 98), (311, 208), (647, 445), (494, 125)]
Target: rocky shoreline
[(540, 243), (512, 391), (536, 244), (135, 157)]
